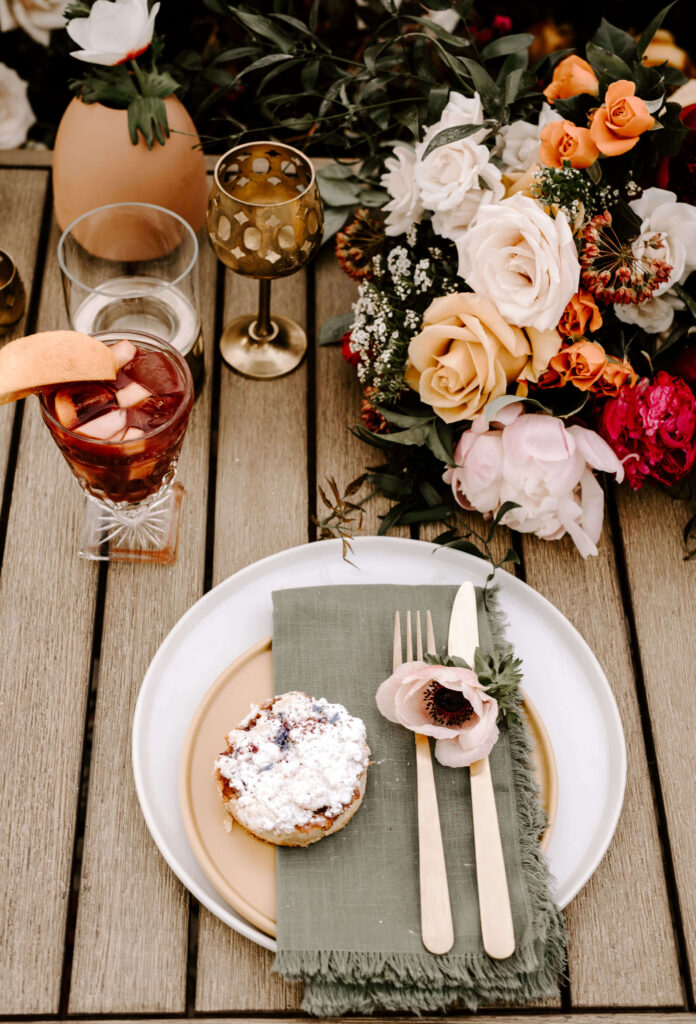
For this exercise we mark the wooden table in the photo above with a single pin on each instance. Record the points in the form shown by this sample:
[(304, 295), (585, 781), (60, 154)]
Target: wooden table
[(92, 921)]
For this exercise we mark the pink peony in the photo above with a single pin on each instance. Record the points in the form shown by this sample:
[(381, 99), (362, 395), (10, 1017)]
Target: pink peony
[(447, 703), (543, 466), (652, 428)]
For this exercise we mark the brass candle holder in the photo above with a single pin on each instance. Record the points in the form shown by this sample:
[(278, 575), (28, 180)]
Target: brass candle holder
[(265, 220), (13, 298)]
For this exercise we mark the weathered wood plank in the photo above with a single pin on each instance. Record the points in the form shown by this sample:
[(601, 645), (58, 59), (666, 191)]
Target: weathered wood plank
[(22, 196), (47, 598), (132, 925), (622, 950), (261, 506), (663, 593), (490, 1018)]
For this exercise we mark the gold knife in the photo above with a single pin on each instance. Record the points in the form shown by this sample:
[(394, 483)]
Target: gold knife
[(494, 899)]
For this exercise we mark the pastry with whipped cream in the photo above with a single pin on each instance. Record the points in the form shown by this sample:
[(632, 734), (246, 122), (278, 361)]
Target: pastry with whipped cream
[(294, 769)]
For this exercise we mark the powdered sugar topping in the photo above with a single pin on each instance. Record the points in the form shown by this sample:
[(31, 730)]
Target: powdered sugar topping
[(294, 761)]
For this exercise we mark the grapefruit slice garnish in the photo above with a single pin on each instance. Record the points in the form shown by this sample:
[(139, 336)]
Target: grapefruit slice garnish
[(52, 357)]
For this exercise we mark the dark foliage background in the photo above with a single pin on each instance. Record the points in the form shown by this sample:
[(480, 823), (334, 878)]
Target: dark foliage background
[(199, 32)]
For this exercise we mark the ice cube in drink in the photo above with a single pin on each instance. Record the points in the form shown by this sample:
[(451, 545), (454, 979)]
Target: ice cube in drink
[(122, 438)]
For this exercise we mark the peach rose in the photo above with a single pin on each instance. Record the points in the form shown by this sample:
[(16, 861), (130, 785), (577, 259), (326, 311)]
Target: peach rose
[(571, 76), (466, 354), (581, 314), (616, 126), (563, 140), (447, 703), (613, 378), (580, 364)]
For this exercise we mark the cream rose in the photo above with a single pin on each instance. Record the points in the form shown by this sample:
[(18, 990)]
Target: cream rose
[(16, 115), (36, 17), (466, 355), (405, 208), (523, 260)]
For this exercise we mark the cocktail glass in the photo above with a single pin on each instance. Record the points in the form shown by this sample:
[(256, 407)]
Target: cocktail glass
[(134, 266), (122, 444)]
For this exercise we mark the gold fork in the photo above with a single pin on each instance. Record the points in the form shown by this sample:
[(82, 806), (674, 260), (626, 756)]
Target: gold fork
[(437, 930)]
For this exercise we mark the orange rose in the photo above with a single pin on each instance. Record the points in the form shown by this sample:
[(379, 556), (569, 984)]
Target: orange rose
[(581, 364), (571, 76), (616, 126), (613, 378), (580, 314), (563, 140)]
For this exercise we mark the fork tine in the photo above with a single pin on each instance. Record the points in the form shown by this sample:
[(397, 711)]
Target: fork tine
[(398, 660), (419, 637), (432, 649), (409, 638)]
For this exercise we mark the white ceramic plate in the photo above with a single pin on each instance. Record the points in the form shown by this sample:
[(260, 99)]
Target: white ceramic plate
[(561, 675)]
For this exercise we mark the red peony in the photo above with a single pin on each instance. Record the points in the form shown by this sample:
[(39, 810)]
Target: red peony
[(678, 173), (652, 429)]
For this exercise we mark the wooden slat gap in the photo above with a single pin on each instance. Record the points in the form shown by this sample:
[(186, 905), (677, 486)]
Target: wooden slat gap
[(215, 372), (81, 807), (312, 332), (650, 750)]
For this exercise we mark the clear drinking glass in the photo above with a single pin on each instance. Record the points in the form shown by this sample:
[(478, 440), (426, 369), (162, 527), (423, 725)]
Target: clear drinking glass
[(121, 440), (134, 266)]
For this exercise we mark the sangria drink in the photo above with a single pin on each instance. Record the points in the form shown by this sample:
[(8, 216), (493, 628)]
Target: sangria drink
[(121, 440)]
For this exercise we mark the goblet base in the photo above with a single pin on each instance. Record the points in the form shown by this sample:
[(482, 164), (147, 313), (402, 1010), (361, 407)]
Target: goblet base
[(263, 358), (147, 532)]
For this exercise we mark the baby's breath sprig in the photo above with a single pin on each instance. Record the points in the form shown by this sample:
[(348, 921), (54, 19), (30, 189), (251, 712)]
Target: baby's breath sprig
[(571, 191)]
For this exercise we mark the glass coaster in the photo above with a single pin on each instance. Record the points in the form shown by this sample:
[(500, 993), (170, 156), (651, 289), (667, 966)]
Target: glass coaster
[(146, 534)]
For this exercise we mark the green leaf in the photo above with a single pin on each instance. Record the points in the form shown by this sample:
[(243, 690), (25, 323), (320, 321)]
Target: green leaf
[(512, 84), (434, 442), (426, 515), (333, 329), (393, 486), (437, 101), (460, 544), (432, 498), (264, 62), (314, 15), (615, 40), (409, 118), (449, 135), (606, 63), (686, 298), (507, 44), (506, 507), (261, 26), (413, 435), (338, 193), (403, 419), (148, 115), (336, 172), (485, 86), (652, 28)]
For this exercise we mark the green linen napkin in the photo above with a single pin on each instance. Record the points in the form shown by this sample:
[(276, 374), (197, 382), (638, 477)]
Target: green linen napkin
[(348, 906)]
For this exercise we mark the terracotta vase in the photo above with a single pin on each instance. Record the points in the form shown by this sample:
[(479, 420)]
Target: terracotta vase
[(95, 163)]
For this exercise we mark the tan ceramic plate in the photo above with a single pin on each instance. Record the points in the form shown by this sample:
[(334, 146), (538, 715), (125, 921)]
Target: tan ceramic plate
[(240, 867)]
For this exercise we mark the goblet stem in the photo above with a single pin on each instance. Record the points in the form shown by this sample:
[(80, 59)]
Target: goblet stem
[(263, 328)]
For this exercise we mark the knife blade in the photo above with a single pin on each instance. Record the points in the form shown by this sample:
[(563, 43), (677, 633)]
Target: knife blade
[(497, 929)]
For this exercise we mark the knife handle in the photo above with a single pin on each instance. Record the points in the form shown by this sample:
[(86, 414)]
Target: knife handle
[(494, 900), (437, 931)]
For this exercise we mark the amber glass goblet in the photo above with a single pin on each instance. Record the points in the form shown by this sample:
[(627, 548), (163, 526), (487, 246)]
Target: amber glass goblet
[(265, 220)]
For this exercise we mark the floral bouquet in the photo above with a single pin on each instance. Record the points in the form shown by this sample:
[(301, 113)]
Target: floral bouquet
[(527, 309)]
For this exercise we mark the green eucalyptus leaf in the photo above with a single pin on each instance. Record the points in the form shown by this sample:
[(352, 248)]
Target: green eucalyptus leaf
[(485, 86), (338, 193), (336, 172), (416, 435), (615, 40), (333, 329), (400, 419), (334, 219), (506, 45)]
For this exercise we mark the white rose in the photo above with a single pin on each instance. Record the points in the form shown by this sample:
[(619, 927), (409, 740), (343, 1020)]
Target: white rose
[(36, 17), (518, 143), (676, 222), (454, 180), (654, 316), (16, 115), (405, 208), (459, 110), (114, 31), (524, 261)]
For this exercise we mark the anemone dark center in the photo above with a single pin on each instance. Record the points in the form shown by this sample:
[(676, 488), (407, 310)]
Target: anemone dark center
[(445, 706)]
